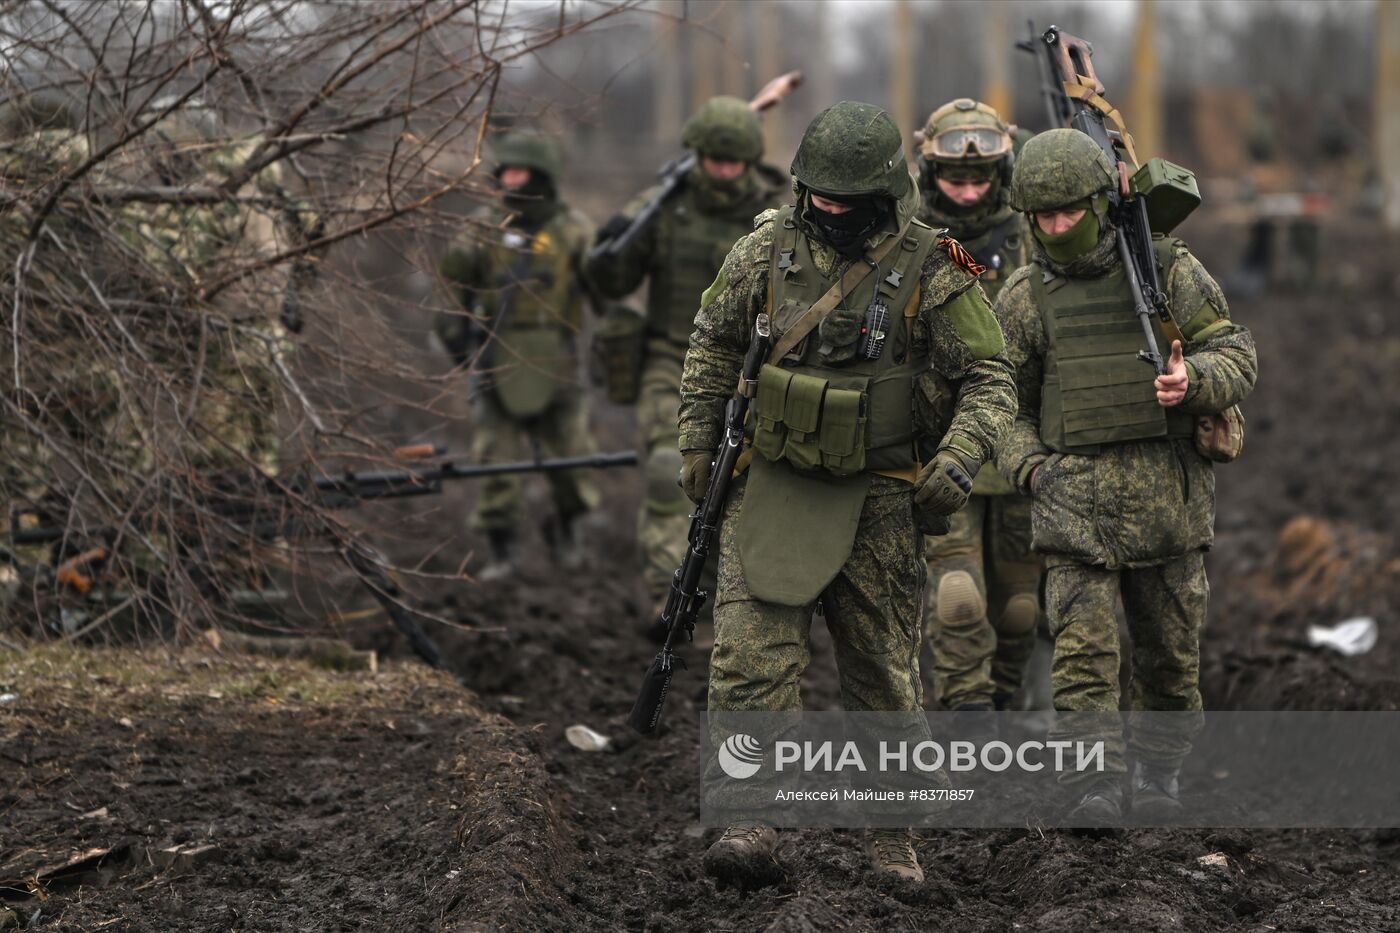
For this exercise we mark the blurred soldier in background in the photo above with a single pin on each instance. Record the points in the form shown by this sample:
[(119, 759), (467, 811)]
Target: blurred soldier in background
[(518, 280), (832, 504), (984, 584), (679, 255), (1123, 490)]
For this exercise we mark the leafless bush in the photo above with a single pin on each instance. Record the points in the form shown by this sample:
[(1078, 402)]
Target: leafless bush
[(190, 325)]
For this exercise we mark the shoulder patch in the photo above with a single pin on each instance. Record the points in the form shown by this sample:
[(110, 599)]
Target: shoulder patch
[(960, 256)]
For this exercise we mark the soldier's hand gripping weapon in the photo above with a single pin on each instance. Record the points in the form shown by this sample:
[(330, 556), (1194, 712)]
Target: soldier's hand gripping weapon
[(1155, 197), (612, 242), (685, 599)]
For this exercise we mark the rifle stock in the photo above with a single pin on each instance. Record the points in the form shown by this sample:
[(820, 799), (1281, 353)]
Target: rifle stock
[(685, 599)]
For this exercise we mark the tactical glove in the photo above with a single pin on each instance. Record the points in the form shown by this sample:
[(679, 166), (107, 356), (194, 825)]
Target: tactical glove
[(614, 227), (945, 483), (695, 473)]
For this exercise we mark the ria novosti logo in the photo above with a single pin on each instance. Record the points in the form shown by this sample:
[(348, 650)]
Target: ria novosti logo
[(740, 756)]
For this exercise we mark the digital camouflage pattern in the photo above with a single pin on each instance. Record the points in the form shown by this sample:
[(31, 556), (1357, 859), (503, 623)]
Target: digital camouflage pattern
[(533, 268), (853, 149), (1137, 503), (1165, 606), (875, 595), (976, 660), (1132, 520), (871, 610), (1059, 167), (980, 652), (724, 128), (678, 256)]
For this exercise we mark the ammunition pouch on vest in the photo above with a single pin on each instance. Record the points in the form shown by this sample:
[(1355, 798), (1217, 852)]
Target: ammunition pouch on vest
[(842, 418), (1096, 390)]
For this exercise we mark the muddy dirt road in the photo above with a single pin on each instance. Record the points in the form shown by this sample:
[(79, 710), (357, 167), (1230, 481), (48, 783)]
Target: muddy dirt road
[(344, 801)]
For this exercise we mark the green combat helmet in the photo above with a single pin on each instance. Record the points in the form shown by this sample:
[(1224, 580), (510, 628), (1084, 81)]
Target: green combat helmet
[(967, 137), (852, 149), (1059, 167), (527, 150), (724, 128)]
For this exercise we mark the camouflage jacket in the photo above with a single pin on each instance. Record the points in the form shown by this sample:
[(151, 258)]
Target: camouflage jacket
[(1139, 503), (724, 325)]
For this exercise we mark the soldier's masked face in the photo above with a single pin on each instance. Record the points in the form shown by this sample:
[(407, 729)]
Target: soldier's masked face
[(1070, 244), (848, 231)]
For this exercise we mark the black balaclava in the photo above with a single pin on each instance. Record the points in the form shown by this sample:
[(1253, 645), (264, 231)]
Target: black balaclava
[(848, 232)]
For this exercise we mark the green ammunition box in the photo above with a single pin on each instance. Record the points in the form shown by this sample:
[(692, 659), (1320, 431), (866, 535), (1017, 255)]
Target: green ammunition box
[(1170, 191)]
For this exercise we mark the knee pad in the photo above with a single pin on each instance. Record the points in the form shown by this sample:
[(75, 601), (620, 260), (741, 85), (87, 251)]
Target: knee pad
[(1020, 615), (959, 602), (664, 493)]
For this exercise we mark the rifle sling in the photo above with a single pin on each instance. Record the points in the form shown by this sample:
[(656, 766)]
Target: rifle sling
[(827, 303)]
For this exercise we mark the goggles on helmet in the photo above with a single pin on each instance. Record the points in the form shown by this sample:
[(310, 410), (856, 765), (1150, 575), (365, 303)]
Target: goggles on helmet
[(968, 142)]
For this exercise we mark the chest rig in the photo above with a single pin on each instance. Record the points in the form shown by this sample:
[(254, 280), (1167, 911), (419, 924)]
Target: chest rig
[(529, 285), (1001, 248), (533, 309), (1096, 391), (691, 246), (856, 415)]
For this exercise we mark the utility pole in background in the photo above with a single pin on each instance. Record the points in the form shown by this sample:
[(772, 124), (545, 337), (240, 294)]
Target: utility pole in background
[(1388, 107), (765, 23), (902, 84), (996, 61), (1144, 118), (667, 91)]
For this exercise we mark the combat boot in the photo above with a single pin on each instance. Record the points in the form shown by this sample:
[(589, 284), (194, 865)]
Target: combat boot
[(502, 564), (561, 533), (743, 856), (1156, 795), (1101, 805), (892, 854)]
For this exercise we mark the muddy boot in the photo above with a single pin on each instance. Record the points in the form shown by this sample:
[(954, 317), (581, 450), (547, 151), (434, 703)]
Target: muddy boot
[(743, 856), (892, 855), (1156, 797), (1101, 806), (502, 564)]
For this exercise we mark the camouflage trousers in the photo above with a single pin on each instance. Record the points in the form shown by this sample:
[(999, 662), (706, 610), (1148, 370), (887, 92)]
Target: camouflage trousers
[(871, 610), (981, 627), (1165, 606), (562, 431), (663, 523)]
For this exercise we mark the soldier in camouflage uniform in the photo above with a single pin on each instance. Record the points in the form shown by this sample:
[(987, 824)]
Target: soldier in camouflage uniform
[(679, 255), (984, 584), (833, 500), (521, 293), (1123, 502)]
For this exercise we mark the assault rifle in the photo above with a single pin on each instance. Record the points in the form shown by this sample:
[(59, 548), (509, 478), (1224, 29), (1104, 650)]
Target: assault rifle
[(266, 517), (1155, 197), (672, 175), (685, 599)]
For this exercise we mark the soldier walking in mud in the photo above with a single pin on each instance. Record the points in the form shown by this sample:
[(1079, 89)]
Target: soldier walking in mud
[(865, 301), (679, 255), (1123, 495), (521, 293), (984, 584)]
